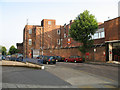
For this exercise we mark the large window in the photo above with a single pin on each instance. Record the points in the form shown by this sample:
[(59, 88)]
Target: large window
[(99, 34), (30, 31), (30, 41), (102, 34)]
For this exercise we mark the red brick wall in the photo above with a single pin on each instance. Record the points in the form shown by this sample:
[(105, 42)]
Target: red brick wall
[(98, 55), (63, 52), (93, 56), (111, 29)]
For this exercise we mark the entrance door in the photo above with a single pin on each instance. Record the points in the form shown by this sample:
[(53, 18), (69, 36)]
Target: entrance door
[(116, 54)]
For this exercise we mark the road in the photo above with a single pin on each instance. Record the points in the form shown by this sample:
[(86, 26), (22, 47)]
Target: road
[(61, 75), (86, 75)]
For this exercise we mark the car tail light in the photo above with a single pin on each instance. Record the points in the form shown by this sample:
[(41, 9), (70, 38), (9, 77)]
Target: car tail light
[(49, 60)]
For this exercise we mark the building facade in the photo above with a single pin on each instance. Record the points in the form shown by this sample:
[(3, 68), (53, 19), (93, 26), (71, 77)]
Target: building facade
[(51, 39)]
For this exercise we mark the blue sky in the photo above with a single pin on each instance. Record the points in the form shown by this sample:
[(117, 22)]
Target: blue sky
[(13, 14)]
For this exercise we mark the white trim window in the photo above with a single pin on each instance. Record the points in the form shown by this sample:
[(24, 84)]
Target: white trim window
[(49, 22), (58, 31), (99, 34), (30, 41), (58, 41), (30, 31)]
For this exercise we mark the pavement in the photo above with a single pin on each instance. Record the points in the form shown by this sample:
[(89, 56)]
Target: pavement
[(109, 63), (20, 64)]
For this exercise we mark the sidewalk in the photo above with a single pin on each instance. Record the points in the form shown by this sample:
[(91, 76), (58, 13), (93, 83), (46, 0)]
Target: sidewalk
[(109, 63)]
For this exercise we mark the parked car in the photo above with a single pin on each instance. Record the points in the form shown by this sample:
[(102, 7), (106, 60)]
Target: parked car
[(8, 57), (52, 60), (74, 59), (3, 57), (0, 57), (38, 57), (16, 57), (59, 58), (47, 59)]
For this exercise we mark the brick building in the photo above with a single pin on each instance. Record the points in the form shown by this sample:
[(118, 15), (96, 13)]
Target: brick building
[(20, 47), (52, 39)]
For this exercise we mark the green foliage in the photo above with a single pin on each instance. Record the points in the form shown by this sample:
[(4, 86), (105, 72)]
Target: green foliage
[(4, 51), (8, 53), (13, 50), (81, 30)]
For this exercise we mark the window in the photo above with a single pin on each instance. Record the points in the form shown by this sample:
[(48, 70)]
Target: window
[(64, 35), (30, 31), (102, 34), (96, 35), (58, 41), (49, 22), (30, 41), (99, 34), (58, 31)]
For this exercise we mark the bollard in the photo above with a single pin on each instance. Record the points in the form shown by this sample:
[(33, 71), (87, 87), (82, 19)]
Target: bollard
[(42, 67)]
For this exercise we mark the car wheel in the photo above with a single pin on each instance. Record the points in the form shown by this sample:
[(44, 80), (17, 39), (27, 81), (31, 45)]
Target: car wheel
[(54, 62), (75, 61)]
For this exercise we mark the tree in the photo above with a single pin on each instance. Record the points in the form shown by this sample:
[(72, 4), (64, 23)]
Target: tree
[(82, 29), (8, 53), (4, 51), (13, 50)]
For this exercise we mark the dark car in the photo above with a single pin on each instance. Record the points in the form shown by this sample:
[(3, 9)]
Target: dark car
[(51, 60), (59, 58), (16, 57), (74, 59), (47, 59), (3, 57), (8, 57)]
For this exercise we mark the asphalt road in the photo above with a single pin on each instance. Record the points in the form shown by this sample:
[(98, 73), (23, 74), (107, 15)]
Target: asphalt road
[(61, 75), (85, 75), (110, 72), (13, 77)]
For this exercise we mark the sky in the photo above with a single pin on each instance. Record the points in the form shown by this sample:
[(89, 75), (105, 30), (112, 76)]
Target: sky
[(14, 14)]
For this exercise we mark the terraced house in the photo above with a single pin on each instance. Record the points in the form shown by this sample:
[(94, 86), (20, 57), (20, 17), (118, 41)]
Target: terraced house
[(52, 39)]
